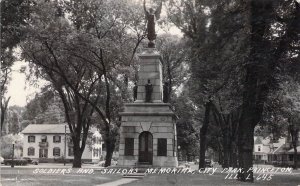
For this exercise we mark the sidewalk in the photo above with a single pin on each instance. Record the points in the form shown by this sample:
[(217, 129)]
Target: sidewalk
[(55, 165), (121, 181)]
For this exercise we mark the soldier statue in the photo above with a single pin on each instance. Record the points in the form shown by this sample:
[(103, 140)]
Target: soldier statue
[(135, 89), (166, 93), (148, 91), (151, 15)]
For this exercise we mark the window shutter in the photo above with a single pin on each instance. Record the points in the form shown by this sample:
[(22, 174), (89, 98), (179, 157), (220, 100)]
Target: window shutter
[(54, 139), (59, 139), (28, 139), (71, 151)]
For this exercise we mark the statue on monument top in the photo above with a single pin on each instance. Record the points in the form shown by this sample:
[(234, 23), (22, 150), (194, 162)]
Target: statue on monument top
[(151, 15)]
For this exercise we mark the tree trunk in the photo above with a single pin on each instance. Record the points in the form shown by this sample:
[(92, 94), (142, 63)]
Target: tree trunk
[(259, 75), (245, 148), (220, 157), (234, 157), (4, 104), (226, 146), (203, 132), (225, 163), (294, 134), (295, 157), (251, 114), (77, 155), (109, 151)]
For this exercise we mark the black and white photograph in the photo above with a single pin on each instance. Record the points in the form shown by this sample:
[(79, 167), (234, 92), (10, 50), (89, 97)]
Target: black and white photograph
[(150, 92)]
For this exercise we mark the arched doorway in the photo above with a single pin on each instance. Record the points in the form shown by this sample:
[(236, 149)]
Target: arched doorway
[(145, 148)]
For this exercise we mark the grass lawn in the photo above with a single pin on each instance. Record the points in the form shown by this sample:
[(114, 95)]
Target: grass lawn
[(22, 176), (216, 179)]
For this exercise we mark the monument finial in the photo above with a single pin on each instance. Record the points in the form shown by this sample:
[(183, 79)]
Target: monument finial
[(151, 16)]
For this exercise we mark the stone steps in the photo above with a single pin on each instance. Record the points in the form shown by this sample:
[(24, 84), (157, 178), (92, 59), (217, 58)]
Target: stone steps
[(134, 175)]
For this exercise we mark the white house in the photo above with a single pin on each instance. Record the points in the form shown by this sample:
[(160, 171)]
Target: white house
[(279, 152), (261, 148), (47, 143)]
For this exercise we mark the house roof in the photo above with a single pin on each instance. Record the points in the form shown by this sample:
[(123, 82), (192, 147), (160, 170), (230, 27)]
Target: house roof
[(261, 140), (257, 140), (292, 150), (49, 129), (280, 149)]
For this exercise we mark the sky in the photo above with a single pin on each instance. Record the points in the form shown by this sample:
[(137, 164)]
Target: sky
[(19, 89)]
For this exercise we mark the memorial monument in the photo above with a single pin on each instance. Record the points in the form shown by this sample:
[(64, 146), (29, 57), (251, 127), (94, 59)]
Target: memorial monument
[(148, 129)]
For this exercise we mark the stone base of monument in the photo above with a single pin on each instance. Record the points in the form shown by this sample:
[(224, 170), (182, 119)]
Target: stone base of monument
[(156, 120), (134, 175)]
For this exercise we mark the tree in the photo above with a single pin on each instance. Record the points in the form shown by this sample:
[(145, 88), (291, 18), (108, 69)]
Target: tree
[(261, 69), (14, 14), (13, 119), (6, 145), (54, 113), (69, 75), (187, 131), (175, 63), (109, 30), (14, 126), (215, 62), (84, 69), (291, 111), (281, 114), (243, 63), (39, 104)]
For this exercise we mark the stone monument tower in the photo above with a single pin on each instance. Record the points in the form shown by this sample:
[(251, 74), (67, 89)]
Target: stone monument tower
[(148, 129)]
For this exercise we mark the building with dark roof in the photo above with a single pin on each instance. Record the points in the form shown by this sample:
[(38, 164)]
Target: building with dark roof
[(47, 143)]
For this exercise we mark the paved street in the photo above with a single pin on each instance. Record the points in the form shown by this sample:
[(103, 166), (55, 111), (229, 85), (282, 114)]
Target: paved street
[(35, 175)]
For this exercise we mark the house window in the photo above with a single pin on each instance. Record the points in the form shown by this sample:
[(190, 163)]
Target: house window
[(70, 151), (56, 151), (30, 151), (43, 153), (31, 139), (99, 140), (129, 146), (96, 140), (95, 152), (161, 147), (291, 157), (70, 141), (56, 139), (104, 147), (258, 148), (44, 139)]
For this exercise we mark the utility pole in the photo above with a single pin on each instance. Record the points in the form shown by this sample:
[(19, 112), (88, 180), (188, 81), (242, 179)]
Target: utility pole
[(65, 145), (13, 154)]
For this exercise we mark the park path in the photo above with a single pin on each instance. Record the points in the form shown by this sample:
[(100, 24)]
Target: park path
[(119, 182)]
